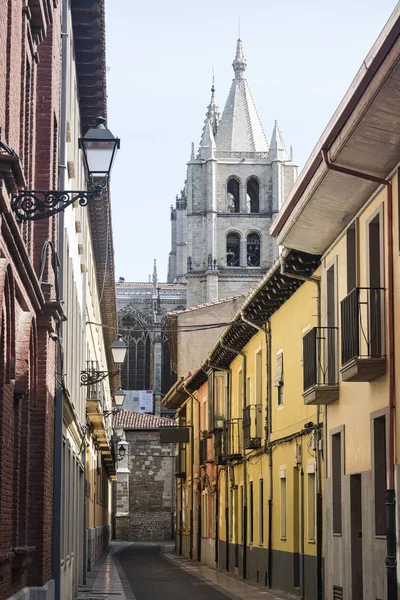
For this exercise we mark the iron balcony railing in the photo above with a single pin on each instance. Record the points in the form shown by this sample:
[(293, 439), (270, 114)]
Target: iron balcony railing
[(233, 437), (320, 357), (362, 313), (203, 451), (219, 457), (180, 462), (252, 426)]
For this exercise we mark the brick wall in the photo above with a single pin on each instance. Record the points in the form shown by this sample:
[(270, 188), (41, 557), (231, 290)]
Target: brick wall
[(150, 489), (29, 108)]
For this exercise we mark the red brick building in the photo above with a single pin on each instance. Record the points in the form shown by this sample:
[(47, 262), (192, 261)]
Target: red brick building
[(30, 43)]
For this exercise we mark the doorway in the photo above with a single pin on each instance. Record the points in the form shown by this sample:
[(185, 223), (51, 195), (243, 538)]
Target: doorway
[(356, 537)]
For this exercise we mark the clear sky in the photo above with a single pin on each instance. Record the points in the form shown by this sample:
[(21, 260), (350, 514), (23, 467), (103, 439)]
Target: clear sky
[(301, 57)]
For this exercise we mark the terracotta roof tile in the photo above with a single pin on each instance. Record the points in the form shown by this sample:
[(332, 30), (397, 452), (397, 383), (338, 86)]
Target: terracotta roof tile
[(129, 419)]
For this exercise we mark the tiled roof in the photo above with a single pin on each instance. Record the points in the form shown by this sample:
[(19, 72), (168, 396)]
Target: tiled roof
[(149, 286), (129, 419)]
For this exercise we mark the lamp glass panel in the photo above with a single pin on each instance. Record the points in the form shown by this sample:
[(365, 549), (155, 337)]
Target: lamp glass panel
[(119, 350), (119, 397), (99, 155)]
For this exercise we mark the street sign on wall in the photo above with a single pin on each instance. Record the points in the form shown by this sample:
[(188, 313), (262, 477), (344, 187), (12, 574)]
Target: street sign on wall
[(140, 401)]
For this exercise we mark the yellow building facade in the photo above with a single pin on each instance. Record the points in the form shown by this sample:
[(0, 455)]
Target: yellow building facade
[(248, 501)]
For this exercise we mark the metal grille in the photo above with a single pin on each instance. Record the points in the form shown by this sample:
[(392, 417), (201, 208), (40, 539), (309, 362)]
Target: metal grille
[(233, 437), (252, 426), (362, 323), (337, 593), (319, 357)]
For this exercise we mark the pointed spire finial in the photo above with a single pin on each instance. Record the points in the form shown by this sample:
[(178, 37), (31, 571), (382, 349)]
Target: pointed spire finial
[(155, 277), (239, 64), (192, 157)]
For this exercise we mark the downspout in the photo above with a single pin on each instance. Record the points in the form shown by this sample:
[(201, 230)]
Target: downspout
[(58, 409), (192, 475), (391, 541), (319, 582), (242, 354)]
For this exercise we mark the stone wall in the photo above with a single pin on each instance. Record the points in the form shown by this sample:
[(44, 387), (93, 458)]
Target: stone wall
[(145, 488)]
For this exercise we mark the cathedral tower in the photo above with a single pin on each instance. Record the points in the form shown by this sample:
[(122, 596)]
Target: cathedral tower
[(235, 185)]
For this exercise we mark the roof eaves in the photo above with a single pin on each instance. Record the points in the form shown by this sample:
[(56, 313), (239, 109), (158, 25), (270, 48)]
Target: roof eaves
[(367, 71)]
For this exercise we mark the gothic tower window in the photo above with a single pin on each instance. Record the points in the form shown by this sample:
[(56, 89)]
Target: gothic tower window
[(253, 250), (253, 195), (233, 195), (233, 250)]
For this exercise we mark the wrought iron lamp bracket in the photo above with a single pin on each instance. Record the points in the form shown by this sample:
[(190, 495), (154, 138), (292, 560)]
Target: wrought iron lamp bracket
[(108, 413), (93, 377), (34, 205)]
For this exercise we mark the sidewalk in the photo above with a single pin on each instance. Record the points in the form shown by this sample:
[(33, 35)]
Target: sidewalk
[(107, 581), (233, 586)]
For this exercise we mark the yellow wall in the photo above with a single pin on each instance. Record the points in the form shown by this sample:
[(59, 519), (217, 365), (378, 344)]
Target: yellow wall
[(359, 399)]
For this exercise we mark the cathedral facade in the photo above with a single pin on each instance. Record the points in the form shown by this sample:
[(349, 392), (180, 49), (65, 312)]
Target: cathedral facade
[(235, 185)]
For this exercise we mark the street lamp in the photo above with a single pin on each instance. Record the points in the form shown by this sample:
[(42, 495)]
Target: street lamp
[(118, 350), (99, 147), (119, 397)]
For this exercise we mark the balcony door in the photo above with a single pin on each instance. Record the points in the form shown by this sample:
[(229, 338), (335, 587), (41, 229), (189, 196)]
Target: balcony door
[(375, 312)]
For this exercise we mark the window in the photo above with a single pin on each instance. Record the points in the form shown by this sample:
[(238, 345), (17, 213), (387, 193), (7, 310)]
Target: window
[(337, 483), (380, 474), (233, 250), (375, 282), (311, 503), (253, 250), (240, 393), (279, 377), (233, 195), (283, 503), (248, 391), (351, 258), (330, 341), (251, 501), (253, 195), (261, 513), (259, 389)]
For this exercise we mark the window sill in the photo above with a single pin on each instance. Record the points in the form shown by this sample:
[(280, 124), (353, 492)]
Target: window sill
[(310, 541), (283, 539), (337, 535), (380, 537)]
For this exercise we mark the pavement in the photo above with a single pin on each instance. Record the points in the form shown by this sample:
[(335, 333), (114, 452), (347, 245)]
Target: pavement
[(152, 571)]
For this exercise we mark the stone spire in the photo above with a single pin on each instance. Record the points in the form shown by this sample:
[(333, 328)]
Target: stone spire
[(240, 128), (239, 62), (207, 145), (277, 149), (212, 116)]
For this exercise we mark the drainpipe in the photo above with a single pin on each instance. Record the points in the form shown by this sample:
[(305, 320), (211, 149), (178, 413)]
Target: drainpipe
[(242, 354), (58, 409), (317, 281), (391, 541)]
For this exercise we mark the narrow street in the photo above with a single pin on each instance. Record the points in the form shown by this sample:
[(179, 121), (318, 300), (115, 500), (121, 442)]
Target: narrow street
[(152, 571)]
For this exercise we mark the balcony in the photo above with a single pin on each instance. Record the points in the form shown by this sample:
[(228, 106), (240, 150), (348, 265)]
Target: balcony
[(180, 462), (252, 426), (219, 457), (94, 398), (233, 439), (363, 345), (320, 374), (203, 451)]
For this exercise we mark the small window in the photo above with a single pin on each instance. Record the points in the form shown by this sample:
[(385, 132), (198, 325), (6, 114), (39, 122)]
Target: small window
[(253, 195), (253, 250), (233, 195), (233, 250), (351, 258), (279, 377)]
